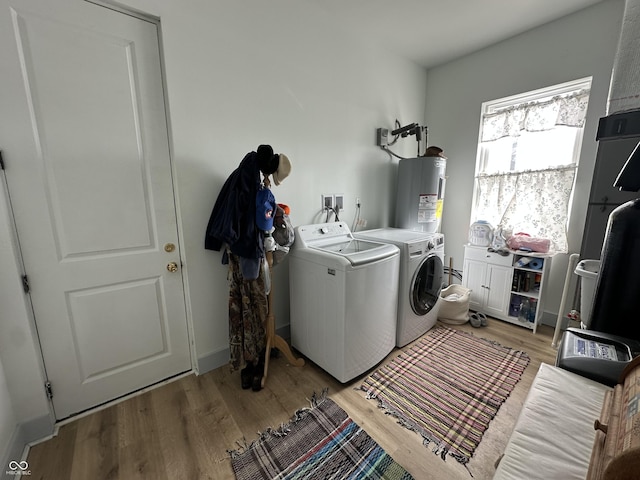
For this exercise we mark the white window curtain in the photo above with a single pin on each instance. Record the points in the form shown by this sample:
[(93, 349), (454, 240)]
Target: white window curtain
[(567, 110), (533, 201)]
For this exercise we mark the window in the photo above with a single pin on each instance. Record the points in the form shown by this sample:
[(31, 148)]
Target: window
[(527, 160)]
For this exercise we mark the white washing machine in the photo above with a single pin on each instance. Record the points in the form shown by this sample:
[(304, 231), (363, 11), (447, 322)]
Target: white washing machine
[(343, 295), (421, 278)]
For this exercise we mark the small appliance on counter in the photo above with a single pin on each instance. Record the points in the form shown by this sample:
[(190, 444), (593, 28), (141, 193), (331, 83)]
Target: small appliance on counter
[(480, 234)]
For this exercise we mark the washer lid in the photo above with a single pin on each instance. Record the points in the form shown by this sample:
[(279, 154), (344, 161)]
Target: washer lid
[(335, 238), (403, 235), (358, 252)]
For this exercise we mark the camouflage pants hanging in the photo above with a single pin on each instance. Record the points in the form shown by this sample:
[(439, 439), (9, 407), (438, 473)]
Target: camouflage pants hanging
[(247, 315)]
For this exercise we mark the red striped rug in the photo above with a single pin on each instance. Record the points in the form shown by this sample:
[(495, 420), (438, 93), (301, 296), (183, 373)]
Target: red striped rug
[(448, 387)]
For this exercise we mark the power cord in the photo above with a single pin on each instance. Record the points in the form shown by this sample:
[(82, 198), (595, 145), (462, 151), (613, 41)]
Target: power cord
[(392, 153), (356, 218), (329, 210)]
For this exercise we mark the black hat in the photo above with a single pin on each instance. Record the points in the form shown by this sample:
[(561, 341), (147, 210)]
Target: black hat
[(267, 161)]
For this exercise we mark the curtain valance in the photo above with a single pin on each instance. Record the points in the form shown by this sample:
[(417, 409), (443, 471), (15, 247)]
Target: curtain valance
[(569, 110)]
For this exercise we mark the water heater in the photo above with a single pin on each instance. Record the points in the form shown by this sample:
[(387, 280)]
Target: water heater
[(420, 193)]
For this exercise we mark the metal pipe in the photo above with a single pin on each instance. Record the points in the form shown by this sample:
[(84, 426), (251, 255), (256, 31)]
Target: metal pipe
[(573, 261)]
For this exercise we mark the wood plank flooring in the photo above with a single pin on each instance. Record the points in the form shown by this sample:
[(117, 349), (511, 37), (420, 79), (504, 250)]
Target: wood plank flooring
[(184, 429)]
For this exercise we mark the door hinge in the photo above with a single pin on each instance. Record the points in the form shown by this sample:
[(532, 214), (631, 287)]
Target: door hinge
[(25, 284), (1, 161), (49, 389)]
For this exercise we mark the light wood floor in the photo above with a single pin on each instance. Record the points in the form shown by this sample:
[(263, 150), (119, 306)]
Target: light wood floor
[(183, 430)]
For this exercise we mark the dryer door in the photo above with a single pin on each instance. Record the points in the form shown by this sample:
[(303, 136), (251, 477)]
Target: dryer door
[(426, 284)]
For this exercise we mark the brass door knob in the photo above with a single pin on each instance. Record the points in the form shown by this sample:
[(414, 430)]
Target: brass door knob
[(172, 267)]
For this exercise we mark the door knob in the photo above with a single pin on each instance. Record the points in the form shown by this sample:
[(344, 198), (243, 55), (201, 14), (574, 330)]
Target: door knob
[(172, 267)]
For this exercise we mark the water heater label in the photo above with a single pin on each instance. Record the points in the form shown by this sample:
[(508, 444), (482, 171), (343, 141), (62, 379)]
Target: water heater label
[(427, 207)]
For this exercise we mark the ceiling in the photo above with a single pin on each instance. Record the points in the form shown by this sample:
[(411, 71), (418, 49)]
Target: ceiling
[(432, 32)]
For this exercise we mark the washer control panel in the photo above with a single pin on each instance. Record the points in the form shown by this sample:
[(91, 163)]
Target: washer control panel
[(319, 233)]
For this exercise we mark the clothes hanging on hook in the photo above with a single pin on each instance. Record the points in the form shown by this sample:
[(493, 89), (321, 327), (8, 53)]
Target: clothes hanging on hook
[(243, 211), (231, 219)]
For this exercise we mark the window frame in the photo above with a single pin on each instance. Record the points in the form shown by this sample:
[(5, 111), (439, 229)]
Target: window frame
[(538, 95)]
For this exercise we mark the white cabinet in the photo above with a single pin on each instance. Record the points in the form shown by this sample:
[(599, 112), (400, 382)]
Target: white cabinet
[(489, 276), (501, 284), (489, 286)]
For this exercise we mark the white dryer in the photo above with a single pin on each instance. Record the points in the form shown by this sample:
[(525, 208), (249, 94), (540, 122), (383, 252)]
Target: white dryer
[(343, 295), (421, 278)]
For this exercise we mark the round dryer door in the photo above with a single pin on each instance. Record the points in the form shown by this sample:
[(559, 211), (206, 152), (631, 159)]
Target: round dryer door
[(426, 285)]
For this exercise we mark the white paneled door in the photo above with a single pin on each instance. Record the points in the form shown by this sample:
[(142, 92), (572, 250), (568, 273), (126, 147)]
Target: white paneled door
[(83, 134)]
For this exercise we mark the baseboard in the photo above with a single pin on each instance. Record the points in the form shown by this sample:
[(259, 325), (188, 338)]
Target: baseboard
[(220, 358), (549, 319), (212, 361), (24, 434)]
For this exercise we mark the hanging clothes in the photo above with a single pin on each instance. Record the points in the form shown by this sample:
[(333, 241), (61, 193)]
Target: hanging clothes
[(233, 218), (232, 226), (248, 309)]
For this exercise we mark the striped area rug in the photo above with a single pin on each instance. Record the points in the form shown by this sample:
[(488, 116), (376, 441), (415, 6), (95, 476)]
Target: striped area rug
[(320, 442), (448, 386)]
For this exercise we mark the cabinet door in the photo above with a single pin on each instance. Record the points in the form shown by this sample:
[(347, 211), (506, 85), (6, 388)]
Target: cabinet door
[(499, 285), (474, 276)]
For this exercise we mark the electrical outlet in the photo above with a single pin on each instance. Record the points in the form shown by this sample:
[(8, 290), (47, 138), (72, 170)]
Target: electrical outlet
[(362, 223), (339, 202), (382, 137), (327, 201)]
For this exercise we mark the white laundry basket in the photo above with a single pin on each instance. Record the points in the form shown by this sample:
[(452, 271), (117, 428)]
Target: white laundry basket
[(454, 305), (587, 270)]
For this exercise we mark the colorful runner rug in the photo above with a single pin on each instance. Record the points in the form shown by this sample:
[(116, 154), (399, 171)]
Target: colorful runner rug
[(448, 387), (320, 442)]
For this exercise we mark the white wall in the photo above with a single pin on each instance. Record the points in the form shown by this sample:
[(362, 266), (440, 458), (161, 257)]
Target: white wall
[(573, 47), (244, 73), (8, 419)]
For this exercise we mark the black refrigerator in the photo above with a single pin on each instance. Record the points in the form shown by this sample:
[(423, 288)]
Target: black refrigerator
[(617, 137), (615, 306)]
